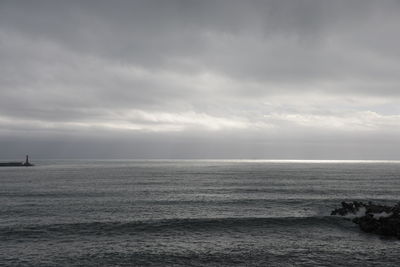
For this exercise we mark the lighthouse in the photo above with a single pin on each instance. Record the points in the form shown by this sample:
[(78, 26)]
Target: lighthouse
[(27, 163)]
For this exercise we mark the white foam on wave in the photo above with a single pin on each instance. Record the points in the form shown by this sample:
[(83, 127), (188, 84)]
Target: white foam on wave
[(362, 212), (359, 213), (382, 214)]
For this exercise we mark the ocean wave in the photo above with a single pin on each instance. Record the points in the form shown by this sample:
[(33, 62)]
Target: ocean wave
[(164, 226)]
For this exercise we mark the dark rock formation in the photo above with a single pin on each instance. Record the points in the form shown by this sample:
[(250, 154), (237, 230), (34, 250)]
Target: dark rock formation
[(373, 218)]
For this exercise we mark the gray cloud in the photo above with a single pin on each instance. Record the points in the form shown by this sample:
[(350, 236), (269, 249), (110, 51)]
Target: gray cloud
[(223, 76)]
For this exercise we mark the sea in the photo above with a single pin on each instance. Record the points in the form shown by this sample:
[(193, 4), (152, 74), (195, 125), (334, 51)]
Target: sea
[(192, 213)]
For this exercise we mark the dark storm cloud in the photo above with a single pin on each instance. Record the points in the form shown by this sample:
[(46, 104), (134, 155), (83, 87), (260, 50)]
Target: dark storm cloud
[(241, 70)]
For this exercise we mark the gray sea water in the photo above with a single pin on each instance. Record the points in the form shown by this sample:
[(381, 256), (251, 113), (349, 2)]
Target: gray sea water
[(192, 213)]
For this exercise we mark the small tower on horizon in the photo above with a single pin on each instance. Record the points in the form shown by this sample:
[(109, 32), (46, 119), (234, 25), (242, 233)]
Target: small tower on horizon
[(27, 163)]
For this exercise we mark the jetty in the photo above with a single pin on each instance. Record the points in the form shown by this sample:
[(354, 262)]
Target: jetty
[(17, 163)]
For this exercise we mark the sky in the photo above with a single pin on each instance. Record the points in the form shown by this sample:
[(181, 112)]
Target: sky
[(183, 79)]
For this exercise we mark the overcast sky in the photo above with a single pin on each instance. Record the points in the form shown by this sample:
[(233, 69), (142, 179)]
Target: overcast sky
[(200, 79)]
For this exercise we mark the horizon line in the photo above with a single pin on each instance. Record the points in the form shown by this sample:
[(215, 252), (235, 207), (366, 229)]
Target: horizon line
[(228, 160)]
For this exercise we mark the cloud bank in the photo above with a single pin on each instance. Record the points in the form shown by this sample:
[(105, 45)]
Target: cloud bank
[(200, 79)]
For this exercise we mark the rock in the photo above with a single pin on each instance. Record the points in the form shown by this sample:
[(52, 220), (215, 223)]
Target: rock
[(372, 218)]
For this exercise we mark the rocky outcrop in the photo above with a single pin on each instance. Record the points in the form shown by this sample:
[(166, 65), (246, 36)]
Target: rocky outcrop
[(372, 218)]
